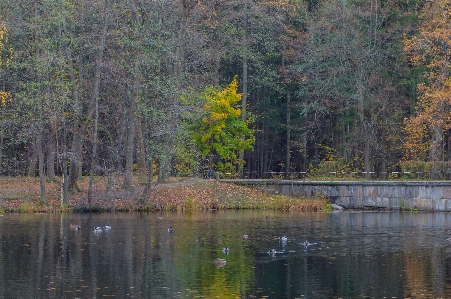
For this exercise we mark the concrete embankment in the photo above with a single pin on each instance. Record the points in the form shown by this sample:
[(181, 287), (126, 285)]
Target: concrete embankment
[(390, 195)]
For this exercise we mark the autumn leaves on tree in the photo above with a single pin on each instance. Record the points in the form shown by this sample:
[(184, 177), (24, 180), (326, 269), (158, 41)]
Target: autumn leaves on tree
[(430, 48), (219, 129)]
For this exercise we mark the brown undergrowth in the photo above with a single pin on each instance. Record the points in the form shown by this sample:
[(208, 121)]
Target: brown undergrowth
[(23, 195)]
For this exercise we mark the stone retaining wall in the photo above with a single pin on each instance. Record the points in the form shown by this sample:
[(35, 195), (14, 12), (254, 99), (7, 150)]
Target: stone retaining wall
[(390, 195)]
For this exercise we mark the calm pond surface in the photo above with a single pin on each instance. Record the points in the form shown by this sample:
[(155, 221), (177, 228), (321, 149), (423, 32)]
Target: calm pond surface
[(352, 255)]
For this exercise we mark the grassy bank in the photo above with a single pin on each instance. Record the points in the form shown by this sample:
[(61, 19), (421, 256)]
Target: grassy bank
[(23, 195)]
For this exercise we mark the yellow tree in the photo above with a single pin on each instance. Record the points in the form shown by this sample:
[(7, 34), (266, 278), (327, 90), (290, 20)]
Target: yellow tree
[(430, 49), (220, 130)]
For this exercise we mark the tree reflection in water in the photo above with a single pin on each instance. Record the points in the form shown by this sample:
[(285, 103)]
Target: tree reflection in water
[(350, 255)]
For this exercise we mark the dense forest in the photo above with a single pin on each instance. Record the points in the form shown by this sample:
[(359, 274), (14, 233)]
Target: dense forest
[(247, 87)]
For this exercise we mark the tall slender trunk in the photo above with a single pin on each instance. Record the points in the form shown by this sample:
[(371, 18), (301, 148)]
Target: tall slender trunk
[(94, 153), (51, 149), (288, 149), (41, 164), (1, 133), (141, 151), (65, 184), (131, 110), (436, 152), (448, 145), (95, 95), (129, 145), (384, 147), (245, 79), (41, 122), (1, 150), (33, 160), (364, 127), (74, 155), (166, 158)]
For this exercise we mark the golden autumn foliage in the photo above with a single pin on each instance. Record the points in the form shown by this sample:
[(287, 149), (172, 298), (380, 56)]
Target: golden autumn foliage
[(430, 48), (5, 97), (4, 58), (221, 131)]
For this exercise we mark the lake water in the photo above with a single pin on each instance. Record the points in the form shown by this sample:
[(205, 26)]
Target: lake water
[(352, 255)]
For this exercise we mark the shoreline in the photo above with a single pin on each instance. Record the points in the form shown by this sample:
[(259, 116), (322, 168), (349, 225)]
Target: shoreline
[(21, 195)]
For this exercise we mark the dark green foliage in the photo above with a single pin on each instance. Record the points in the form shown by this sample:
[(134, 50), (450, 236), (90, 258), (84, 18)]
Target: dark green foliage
[(326, 74)]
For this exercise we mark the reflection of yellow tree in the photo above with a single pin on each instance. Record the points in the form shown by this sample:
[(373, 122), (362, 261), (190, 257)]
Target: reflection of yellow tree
[(198, 272), (416, 275)]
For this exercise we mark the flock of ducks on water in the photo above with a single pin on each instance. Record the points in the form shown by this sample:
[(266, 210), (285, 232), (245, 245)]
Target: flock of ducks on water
[(283, 240), (219, 262), (96, 228)]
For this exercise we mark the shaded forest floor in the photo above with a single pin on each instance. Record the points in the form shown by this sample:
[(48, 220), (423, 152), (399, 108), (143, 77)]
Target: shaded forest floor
[(22, 194)]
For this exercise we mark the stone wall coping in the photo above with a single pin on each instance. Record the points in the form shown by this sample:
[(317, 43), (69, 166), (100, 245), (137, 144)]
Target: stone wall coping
[(338, 183)]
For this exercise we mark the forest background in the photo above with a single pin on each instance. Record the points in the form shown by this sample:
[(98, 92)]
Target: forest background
[(176, 87)]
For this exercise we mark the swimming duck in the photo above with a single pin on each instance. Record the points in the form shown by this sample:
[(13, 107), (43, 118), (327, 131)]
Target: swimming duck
[(107, 227), (226, 250), (97, 229), (283, 238), (220, 262), (170, 229), (272, 252), (306, 244), (76, 227)]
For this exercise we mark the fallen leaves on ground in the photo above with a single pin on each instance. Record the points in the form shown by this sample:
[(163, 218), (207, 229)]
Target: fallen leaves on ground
[(23, 195)]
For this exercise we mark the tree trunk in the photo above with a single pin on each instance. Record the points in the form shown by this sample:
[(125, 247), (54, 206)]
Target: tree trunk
[(75, 154), (384, 147), (288, 149), (364, 129), (166, 158), (51, 150), (95, 96), (436, 152), (245, 80), (141, 150), (75, 161), (94, 154), (41, 163), (129, 146), (366, 155), (33, 161), (131, 111), (1, 151), (448, 145), (65, 184)]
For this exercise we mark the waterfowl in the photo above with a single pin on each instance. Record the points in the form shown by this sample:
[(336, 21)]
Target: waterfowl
[(283, 238), (107, 226), (272, 252), (220, 262), (76, 227), (170, 229), (97, 229), (226, 250)]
